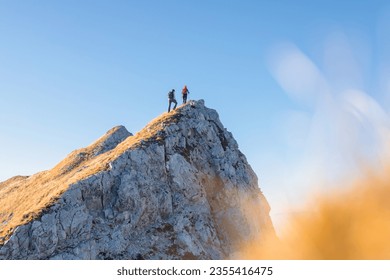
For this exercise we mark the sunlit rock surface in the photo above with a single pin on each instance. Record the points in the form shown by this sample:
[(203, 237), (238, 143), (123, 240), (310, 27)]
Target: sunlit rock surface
[(178, 189)]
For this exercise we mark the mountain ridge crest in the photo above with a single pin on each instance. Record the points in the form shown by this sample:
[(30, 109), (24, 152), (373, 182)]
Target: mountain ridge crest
[(182, 174)]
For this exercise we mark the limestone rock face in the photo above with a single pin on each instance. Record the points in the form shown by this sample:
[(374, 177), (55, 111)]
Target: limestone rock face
[(179, 189)]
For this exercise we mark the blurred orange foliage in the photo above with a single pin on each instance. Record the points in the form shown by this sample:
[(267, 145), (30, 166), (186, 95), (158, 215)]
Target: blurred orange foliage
[(352, 223)]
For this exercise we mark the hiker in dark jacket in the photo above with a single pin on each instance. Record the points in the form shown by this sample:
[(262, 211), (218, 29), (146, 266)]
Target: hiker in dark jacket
[(185, 92), (171, 99)]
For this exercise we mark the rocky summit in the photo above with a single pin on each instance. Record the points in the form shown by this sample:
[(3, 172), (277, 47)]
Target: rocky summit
[(178, 189)]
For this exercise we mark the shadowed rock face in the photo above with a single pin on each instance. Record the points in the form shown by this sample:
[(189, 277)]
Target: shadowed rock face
[(175, 190)]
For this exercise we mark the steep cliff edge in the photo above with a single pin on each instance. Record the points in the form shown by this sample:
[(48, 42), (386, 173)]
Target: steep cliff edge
[(175, 190)]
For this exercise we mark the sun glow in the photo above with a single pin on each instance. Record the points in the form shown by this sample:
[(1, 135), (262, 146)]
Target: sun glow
[(346, 213)]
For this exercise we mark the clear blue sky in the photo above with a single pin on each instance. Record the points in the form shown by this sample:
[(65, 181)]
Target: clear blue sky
[(71, 70)]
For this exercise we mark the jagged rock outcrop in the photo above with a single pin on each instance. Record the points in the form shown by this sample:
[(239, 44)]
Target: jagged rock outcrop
[(178, 189)]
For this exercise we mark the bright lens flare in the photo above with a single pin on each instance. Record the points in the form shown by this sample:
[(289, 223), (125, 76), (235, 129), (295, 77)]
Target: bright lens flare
[(346, 155)]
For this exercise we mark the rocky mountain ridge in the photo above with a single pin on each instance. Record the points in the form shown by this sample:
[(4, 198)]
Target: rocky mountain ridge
[(178, 189)]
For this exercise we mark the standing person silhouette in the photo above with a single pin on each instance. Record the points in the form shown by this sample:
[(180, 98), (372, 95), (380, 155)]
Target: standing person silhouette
[(171, 99), (185, 92)]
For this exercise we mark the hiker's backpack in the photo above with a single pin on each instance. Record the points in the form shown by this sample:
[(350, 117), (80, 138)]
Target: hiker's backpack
[(170, 95)]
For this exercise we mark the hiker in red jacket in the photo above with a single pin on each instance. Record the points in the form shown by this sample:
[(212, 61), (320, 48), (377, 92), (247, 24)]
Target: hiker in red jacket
[(184, 92)]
